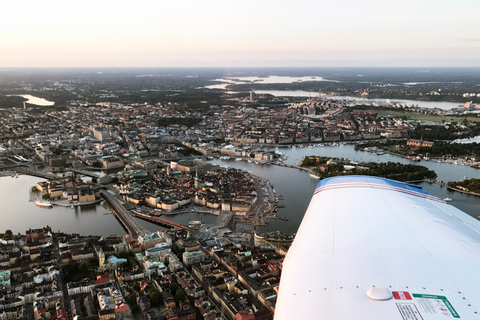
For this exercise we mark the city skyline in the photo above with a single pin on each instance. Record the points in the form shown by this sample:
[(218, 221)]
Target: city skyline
[(220, 34)]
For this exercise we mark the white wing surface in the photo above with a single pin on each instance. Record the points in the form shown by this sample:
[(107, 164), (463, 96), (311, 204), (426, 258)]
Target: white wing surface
[(373, 248)]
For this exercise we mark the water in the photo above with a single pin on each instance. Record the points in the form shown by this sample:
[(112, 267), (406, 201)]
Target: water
[(36, 100), (468, 140), (296, 187), (445, 171), (288, 93), (263, 80), (18, 214), (444, 105)]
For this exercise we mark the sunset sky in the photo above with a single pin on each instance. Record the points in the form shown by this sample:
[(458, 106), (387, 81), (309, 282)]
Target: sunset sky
[(186, 33)]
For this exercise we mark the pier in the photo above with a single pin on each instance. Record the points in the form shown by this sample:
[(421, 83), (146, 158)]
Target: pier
[(127, 221)]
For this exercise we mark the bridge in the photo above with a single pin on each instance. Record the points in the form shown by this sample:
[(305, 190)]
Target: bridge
[(287, 165), (127, 221), (41, 174), (162, 222), (86, 173)]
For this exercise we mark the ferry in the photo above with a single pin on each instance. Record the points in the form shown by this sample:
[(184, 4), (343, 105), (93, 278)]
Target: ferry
[(44, 204)]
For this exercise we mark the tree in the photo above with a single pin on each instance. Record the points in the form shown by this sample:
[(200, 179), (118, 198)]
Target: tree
[(173, 288), (180, 296), (131, 299), (156, 298)]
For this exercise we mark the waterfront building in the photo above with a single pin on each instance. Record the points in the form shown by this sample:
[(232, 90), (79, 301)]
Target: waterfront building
[(150, 240), (419, 143)]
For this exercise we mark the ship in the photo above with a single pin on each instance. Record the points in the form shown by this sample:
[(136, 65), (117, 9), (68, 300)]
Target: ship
[(44, 204)]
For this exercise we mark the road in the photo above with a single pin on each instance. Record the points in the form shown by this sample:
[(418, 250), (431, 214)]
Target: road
[(132, 226)]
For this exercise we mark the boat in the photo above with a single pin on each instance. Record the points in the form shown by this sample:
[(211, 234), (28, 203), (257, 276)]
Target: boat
[(44, 204), (238, 159), (156, 213), (314, 176), (447, 199)]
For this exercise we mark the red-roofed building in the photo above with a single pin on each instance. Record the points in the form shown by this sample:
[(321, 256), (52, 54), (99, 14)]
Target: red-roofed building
[(38, 313), (122, 311), (243, 315), (61, 314), (101, 279)]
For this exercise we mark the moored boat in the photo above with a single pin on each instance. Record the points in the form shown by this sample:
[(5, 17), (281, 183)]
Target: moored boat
[(44, 204), (314, 176)]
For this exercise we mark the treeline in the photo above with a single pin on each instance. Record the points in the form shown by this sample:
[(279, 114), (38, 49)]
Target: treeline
[(11, 101), (326, 167), (438, 150), (400, 172), (471, 185), (380, 144), (441, 148), (450, 132)]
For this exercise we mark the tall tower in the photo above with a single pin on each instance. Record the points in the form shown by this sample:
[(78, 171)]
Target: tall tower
[(196, 178), (101, 259)]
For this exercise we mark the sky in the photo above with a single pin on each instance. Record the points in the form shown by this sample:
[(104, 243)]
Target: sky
[(260, 33)]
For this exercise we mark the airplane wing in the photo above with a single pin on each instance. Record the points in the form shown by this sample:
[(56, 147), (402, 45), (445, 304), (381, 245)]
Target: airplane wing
[(372, 248)]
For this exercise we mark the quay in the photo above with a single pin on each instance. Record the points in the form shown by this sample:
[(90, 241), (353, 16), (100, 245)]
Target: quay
[(122, 215)]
